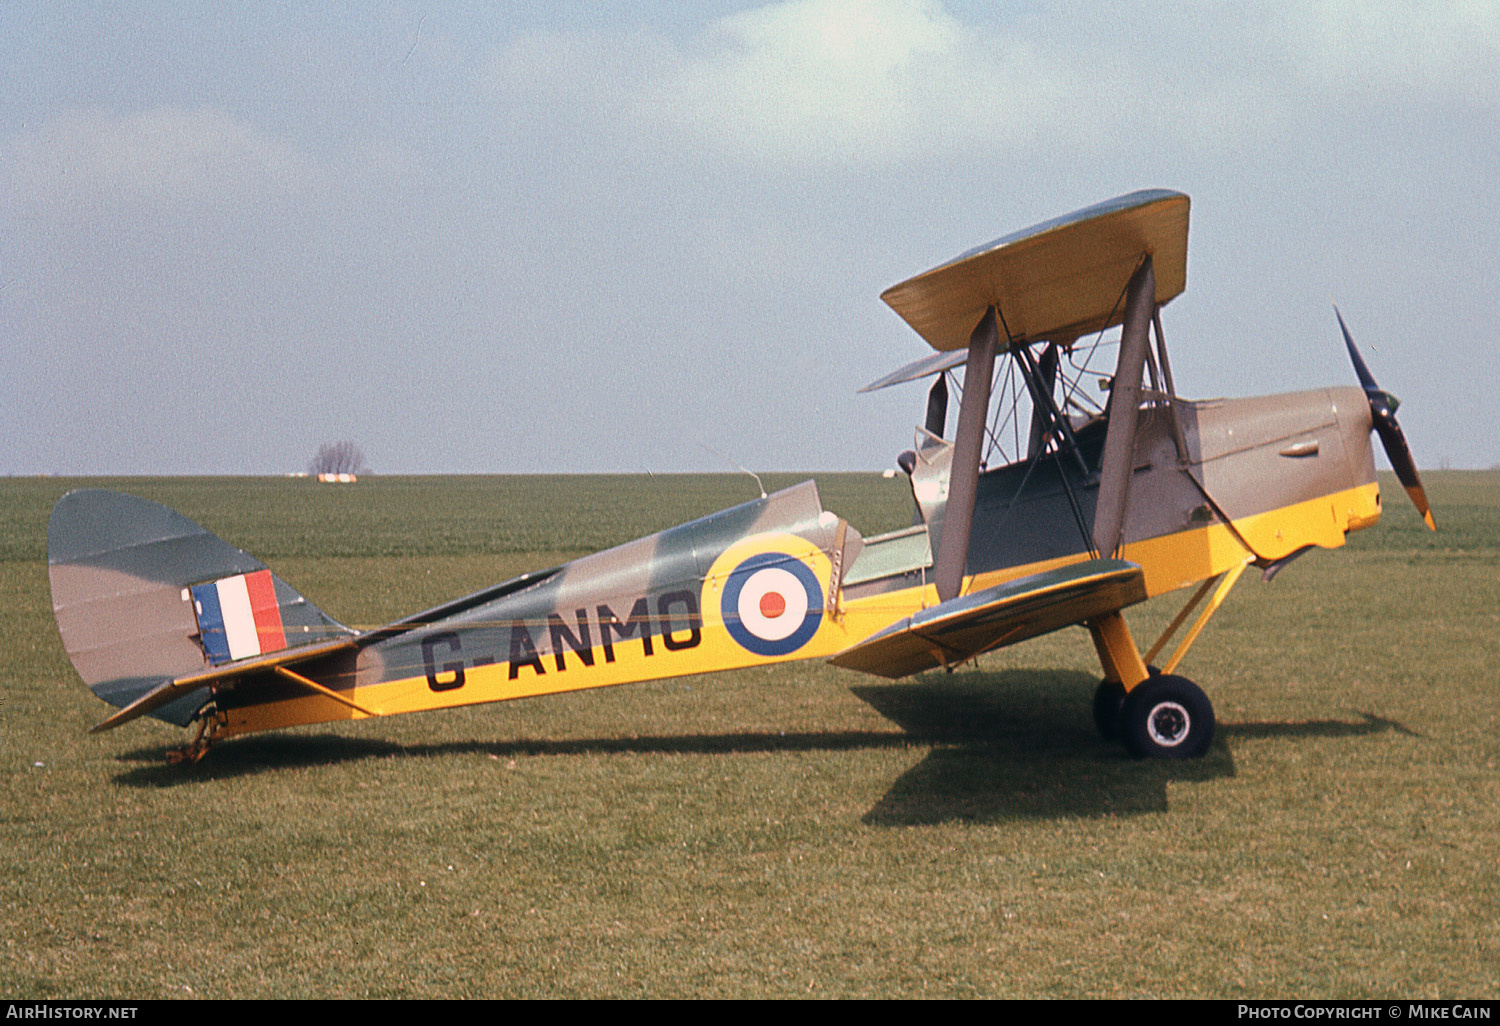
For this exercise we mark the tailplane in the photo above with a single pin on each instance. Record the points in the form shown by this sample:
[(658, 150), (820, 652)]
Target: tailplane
[(144, 596)]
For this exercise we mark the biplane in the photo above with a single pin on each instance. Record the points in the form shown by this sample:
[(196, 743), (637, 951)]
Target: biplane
[(1097, 508)]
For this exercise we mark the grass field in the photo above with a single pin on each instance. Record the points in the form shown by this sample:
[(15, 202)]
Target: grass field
[(796, 831)]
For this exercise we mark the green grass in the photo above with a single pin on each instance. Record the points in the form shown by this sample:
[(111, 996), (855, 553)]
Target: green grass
[(793, 831)]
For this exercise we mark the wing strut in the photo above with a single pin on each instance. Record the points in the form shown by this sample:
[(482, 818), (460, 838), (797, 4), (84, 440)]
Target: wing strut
[(1161, 351), (1124, 411), (968, 445)]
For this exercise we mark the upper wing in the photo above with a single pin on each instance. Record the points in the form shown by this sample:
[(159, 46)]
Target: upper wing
[(1056, 280), (969, 625)]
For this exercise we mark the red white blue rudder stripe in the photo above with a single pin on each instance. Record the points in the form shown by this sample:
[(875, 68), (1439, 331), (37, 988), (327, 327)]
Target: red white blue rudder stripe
[(238, 617)]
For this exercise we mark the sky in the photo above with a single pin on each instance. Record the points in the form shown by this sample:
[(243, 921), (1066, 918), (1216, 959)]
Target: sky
[(620, 237)]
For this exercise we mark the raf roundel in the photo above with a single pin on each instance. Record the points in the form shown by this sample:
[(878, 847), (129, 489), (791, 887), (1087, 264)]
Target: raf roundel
[(772, 604)]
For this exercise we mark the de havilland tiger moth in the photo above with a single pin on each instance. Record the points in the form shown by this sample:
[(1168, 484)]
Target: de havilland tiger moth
[(1098, 508)]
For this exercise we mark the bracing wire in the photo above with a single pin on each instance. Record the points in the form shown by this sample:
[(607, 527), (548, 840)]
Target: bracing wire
[(1073, 388)]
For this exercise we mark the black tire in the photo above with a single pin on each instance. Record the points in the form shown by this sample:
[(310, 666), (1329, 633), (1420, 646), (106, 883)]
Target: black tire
[(1167, 717), (1109, 697)]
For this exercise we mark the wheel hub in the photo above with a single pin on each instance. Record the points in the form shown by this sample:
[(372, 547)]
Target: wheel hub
[(1169, 724)]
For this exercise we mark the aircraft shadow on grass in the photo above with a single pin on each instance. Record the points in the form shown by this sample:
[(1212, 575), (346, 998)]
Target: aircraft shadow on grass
[(1015, 744), (1020, 744), (273, 752)]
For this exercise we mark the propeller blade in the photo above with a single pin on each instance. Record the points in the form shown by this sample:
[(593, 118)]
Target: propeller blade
[(1366, 379), (1399, 454), (1383, 420)]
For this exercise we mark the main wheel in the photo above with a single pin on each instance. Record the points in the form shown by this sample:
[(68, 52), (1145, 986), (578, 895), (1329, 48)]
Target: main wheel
[(1108, 698), (1167, 717)]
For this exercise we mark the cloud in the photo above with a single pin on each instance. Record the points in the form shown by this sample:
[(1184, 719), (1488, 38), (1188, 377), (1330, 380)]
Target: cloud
[(823, 82), (84, 159), (876, 83), (844, 81)]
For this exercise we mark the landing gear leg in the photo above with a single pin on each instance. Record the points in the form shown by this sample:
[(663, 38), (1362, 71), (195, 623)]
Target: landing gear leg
[(1123, 670), (1221, 586), (1157, 715), (1117, 652)]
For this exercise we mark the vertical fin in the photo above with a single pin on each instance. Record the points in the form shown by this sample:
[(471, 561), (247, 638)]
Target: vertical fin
[(143, 596)]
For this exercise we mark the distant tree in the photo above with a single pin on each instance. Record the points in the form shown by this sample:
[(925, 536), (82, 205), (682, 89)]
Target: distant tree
[(338, 458)]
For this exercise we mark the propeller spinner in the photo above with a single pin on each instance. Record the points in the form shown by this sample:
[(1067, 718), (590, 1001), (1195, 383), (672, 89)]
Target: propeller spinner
[(1383, 419)]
